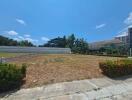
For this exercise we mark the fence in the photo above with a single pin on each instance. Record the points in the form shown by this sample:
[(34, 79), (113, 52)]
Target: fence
[(46, 50)]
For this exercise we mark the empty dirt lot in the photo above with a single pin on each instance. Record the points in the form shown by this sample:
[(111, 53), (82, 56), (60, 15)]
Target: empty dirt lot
[(54, 68)]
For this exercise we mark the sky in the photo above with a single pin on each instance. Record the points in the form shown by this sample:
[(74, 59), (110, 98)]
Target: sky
[(39, 21)]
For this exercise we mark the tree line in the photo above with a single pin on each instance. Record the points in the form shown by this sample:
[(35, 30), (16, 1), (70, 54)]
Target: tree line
[(114, 49), (75, 44), (4, 41)]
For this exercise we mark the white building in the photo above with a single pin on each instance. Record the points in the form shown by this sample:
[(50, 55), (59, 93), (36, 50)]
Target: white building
[(124, 37)]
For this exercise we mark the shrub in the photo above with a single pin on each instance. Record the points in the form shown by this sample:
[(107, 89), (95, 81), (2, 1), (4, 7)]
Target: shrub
[(23, 69), (116, 68), (11, 76)]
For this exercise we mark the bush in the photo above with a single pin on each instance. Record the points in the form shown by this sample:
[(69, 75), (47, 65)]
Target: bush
[(112, 55), (23, 69), (11, 76), (116, 68)]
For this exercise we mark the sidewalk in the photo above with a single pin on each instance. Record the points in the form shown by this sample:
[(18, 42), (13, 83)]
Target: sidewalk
[(100, 89)]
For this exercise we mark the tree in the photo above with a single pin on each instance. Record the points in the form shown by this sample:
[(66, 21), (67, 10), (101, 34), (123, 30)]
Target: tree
[(114, 49), (77, 45), (4, 41), (25, 43), (80, 46), (70, 41), (56, 42), (64, 41)]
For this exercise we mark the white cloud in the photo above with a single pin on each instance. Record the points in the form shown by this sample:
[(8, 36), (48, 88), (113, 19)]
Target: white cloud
[(45, 39), (128, 20), (11, 32), (122, 34), (100, 26), (27, 35), (21, 21), (31, 40), (16, 39), (19, 38)]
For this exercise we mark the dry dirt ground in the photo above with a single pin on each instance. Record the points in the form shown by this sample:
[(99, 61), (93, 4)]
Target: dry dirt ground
[(54, 68)]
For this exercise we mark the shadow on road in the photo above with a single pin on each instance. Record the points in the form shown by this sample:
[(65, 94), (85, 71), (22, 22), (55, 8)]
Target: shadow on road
[(8, 93), (123, 78)]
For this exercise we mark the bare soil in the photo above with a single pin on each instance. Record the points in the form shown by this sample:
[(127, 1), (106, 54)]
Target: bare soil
[(54, 68)]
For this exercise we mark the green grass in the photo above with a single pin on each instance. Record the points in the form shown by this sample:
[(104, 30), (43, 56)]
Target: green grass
[(2, 54)]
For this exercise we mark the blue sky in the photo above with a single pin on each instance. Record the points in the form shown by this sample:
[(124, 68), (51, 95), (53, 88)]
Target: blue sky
[(41, 20)]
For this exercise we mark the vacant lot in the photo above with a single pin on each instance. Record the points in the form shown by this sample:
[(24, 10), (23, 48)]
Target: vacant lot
[(47, 69)]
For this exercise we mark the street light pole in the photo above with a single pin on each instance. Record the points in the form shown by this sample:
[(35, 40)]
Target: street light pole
[(130, 52)]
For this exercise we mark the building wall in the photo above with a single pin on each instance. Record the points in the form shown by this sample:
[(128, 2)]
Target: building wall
[(124, 39), (119, 40), (130, 37), (100, 44), (127, 40)]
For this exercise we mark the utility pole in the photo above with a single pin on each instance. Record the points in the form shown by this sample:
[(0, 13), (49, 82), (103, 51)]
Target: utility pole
[(130, 41), (130, 52)]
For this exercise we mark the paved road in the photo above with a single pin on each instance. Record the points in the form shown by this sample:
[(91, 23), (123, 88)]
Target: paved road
[(92, 89)]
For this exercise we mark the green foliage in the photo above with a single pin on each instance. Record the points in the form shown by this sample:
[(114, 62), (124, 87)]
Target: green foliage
[(70, 41), (23, 69), (77, 45), (115, 50), (10, 42), (7, 42), (11, 76), (56, 42), (80, 46), (117, 68), (25, 43)]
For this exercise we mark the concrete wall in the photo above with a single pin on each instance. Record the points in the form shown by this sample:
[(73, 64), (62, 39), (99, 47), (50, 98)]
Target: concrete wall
[(13, 49)]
